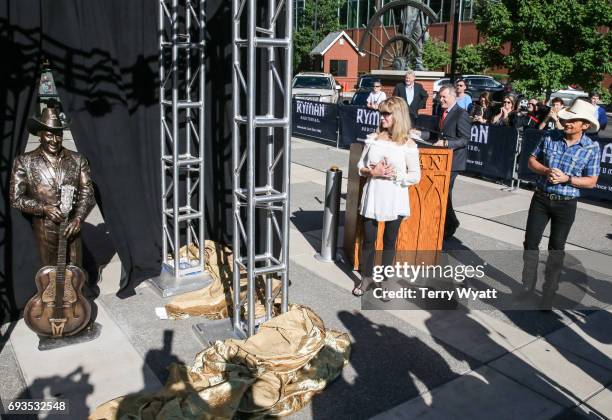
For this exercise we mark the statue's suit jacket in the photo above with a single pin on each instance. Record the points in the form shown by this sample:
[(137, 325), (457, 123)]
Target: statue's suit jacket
[(36, 182)]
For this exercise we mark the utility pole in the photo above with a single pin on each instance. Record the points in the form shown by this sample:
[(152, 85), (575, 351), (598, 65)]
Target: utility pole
[(315, 24), (457, 12)]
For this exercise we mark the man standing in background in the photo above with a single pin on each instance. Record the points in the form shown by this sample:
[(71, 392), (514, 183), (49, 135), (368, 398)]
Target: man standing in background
[(600, 112), (413, 93), (552, 122), (464, 100)]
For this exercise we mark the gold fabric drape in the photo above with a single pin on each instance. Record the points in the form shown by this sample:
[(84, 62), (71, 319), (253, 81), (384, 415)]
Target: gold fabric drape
[(273, 373), (215, 300)]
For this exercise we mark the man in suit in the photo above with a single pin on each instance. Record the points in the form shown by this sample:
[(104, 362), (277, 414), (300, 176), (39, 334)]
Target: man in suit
[(413, 93), (455, 130)]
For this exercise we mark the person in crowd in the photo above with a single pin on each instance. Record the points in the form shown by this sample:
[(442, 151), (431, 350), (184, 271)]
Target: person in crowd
[(551, 122), (481, 112), (600, 112), (390, 162), (464, 100), (376, 96), (455, 130), (566, 162), (413, 93), (507, 116), (531, 118)]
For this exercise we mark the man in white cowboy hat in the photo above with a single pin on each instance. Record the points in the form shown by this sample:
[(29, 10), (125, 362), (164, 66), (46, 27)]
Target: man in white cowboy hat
[(566, 162), (36, 182)]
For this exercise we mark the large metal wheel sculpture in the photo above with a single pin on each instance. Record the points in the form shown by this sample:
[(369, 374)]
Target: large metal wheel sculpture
[(398, 30)]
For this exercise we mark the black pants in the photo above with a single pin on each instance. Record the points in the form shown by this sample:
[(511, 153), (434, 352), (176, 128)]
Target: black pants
[(370, 232), (561, 215), (452, 223)]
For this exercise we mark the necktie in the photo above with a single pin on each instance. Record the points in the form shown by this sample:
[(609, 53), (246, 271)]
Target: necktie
[(443, 118)]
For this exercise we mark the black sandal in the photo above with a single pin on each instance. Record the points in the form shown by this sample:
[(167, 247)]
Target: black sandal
[(365, 285), (358, 291)]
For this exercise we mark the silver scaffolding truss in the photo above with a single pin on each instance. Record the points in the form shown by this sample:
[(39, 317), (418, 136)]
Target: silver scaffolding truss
[(181, 93), (253, 41)]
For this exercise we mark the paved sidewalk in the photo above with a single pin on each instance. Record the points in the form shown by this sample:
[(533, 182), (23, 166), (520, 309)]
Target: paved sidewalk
[(462, 364)]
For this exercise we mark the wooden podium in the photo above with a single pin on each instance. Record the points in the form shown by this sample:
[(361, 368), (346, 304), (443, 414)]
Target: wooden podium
[(423, 231)]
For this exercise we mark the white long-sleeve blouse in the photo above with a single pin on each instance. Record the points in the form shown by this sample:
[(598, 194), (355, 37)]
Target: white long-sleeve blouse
[(385, 199)]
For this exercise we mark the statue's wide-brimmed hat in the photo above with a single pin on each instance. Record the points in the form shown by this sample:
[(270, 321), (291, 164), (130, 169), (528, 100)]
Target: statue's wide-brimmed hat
[(49, 120), (581, 110)]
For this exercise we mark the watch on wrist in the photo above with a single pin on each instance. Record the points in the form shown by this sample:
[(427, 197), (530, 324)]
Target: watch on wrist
[(569, 180)]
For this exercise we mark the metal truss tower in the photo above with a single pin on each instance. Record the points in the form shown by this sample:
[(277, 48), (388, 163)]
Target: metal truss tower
[(181, 95), (261, 41)]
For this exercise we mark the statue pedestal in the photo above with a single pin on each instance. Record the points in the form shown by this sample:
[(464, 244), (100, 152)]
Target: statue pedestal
[(91, 332)]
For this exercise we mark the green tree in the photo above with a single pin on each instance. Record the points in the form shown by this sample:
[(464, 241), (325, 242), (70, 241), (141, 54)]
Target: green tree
[(552, 43), (320, 17), (470, 59), (436, 55)]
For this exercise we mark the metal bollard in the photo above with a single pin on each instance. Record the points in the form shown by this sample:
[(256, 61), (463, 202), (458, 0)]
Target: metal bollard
[(329, 235)]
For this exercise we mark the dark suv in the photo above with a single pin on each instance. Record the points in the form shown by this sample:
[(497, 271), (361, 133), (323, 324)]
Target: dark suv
[(365, 85), (366, 81), (477, 84)]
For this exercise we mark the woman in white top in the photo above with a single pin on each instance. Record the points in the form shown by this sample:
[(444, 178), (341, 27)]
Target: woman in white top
[(376, 96), (390, 161)]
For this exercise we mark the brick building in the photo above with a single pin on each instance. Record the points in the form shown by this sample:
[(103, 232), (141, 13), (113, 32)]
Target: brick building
[(337, 54)]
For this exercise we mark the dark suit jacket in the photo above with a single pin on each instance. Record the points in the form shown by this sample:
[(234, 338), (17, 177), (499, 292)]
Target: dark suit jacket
[(457, 130), (419, 100)]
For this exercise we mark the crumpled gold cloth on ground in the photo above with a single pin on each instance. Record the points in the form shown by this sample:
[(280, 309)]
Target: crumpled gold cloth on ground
[(215, 300), (273, 373)]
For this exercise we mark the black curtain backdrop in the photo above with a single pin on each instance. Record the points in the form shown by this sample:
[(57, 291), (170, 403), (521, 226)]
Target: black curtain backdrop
[(103, 56)]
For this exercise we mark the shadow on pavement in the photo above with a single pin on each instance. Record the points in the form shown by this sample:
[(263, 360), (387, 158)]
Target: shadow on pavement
[(385, 378)]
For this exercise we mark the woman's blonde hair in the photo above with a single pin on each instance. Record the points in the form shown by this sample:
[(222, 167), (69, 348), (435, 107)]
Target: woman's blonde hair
[(397, 107)]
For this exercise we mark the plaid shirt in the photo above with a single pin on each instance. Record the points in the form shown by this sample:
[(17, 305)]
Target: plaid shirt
[(580, 159)]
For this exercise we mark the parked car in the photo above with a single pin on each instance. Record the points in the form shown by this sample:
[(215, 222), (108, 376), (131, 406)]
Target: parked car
[(366, 81), (568, 96), (361, 97), (438, 84), (477, 84), (313, 86)]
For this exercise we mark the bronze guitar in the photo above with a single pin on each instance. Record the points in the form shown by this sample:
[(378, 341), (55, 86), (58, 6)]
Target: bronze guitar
[(59, 308)]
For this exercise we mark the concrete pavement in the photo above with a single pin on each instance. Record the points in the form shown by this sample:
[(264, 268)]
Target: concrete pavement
[(463, 364)]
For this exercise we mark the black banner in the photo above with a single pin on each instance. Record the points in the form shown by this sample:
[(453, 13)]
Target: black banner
[(356, 122), (603, 190), (491, 151), (531, 138), (315, 119)]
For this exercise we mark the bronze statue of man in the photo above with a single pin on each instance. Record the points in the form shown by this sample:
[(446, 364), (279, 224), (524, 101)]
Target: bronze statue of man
[(36, 183)]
